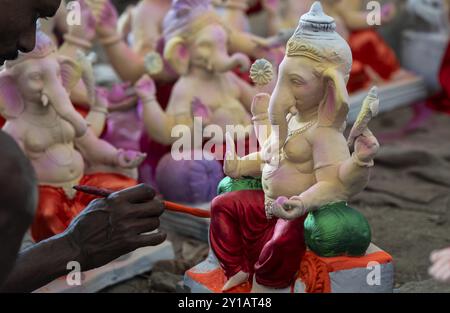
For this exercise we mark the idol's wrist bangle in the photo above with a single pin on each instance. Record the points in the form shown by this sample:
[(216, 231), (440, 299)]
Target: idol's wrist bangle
[(79, 42), (362, 163)]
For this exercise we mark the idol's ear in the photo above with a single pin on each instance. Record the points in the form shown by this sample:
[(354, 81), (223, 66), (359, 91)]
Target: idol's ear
[(334, 108), (71, 72), (11, 104), (176, 52)]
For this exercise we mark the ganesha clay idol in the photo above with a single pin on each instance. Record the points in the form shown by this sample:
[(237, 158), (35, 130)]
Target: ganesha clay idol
[(64, 151), (291, 233), (207, 91)]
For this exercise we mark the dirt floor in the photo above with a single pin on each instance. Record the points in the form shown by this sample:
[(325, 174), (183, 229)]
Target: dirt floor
[(406, 203)]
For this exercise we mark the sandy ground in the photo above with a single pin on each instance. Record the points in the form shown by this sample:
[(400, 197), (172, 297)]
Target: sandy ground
[(408, 233)]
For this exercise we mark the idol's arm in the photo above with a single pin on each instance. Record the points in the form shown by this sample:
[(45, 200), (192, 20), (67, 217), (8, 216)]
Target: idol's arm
[(97, 151), (159, 123)]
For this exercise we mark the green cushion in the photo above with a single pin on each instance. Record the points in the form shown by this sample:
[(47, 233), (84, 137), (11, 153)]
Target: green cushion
[(337, 229), (246, 183)]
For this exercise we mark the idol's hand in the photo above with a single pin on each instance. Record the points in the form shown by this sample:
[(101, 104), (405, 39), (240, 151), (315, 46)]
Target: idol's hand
[(106, 17), (145, 88), (130, 159), (288, 209), (366, 146)]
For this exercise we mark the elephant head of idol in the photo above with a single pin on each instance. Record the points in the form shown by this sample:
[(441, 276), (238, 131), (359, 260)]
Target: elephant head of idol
[(313, 75), (196, 36), (42, 79)]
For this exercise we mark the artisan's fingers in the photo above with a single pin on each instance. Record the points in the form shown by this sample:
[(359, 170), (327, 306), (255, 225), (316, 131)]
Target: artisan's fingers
[(135, 194), (149, 239), (152, 208), (144, 225)]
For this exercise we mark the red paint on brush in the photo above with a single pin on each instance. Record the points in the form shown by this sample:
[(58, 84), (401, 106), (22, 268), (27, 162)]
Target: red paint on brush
[(171, 206)]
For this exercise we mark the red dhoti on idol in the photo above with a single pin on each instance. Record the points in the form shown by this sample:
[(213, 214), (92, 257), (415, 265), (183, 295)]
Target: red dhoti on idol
[(244, 239), (56, 210)]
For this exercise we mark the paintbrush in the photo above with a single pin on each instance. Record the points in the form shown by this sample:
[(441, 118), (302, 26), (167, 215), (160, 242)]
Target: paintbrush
[(171, 206)]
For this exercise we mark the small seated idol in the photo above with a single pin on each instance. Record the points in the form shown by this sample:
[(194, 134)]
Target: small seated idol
[(208, 89), (305, 167), (34, 99), (77, 44)]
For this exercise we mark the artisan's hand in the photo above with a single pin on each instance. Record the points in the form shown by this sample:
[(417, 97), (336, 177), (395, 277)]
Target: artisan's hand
[(231, 162), (289, 209), (366, 146), (109, 228), (130, 159), (440, 269)]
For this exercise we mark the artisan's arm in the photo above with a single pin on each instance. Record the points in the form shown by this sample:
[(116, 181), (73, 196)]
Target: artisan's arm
[(40, 264)]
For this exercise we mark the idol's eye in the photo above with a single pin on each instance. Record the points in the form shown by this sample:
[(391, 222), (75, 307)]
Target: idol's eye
[(297, 82)]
